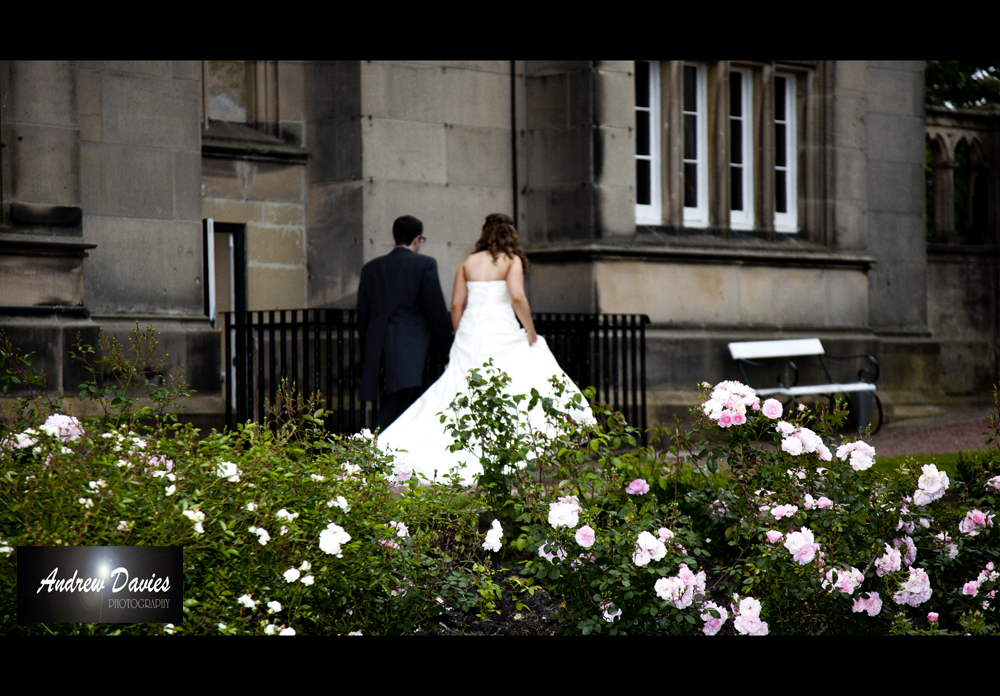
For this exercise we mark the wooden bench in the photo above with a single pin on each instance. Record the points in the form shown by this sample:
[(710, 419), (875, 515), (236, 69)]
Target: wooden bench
[(860, 394)]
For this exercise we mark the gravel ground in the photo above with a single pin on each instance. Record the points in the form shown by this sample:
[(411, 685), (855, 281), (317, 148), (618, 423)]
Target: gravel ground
[(952, 438)]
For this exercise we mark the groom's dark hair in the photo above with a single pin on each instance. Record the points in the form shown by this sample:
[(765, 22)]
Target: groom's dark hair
[(407, 228)]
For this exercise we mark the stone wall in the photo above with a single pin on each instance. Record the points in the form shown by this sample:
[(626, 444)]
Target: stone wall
[(963, 279), (118, 144), (108, 169), (396, 138), (703, 289)]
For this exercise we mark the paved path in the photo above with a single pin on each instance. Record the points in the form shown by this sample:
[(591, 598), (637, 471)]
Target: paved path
[(956, 429)]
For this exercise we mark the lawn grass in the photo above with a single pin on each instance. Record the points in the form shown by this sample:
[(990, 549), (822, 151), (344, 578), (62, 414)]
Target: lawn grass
[(946, 462)]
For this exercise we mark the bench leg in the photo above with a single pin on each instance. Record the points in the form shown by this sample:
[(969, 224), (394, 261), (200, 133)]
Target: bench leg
[(866, 410), (878, 405)]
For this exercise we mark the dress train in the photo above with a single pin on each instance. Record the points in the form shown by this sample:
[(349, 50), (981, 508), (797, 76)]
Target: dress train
[(488, 329)]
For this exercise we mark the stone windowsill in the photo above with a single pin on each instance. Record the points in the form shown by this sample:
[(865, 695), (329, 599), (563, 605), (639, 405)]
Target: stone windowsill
[(240, 141), (704, 249), (984, 250), (43, 244)]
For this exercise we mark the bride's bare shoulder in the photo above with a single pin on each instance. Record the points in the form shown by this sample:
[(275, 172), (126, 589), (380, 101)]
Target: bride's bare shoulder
[(482, 266), (477, 257)]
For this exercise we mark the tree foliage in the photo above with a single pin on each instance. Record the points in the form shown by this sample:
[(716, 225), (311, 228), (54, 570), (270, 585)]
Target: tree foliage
[(963, 84)]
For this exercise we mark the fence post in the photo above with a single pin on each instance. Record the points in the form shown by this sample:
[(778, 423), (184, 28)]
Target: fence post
[(587, 346)]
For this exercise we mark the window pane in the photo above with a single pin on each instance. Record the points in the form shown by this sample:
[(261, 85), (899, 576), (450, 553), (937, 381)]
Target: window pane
[(690, 94), (779, 98), (642, 180), (780, 197), (642, 132), (690, 137), (641, 83), (736, 142), (228, 88), (780, 158), (736, 195), (735, 94), (690, 185)]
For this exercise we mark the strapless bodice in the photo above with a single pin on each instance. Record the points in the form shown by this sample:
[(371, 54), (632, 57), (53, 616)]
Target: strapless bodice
[(487, 292)]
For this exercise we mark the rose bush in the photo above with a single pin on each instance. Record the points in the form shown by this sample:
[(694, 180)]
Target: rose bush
[(802, 523), (758, 520), (282, 527)]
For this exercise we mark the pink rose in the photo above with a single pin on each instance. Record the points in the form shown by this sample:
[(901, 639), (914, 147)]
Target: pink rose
[(806, 553), (911, 549), (774, 536), (932, 616), (637, 487), (802, 545), (785, 428), (873, 604), (66, 428), (608, 615), (780, 511), (973, 519), (792, 445), (772, 408), (585, 536), (890, 562)]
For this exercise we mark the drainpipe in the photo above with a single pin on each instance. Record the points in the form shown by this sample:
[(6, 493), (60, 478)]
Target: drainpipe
[(513, 140)]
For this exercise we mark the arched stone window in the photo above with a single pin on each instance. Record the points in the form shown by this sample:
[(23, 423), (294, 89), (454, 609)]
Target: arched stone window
[(970, 192), (962, 177)]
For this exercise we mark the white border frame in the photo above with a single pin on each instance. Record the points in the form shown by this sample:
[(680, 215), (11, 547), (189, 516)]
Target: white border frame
[(744, 219), (652, 214), (788, 223), (698, 216)]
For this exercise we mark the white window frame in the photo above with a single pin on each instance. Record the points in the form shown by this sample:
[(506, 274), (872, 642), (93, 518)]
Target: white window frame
[(788, 222), (697, 216), (744, 219), (652, 214)]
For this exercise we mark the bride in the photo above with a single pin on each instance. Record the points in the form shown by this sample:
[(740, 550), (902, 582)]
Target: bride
[(488, 293)]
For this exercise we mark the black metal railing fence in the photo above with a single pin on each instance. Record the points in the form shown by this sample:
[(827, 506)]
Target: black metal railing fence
[(318, 350)]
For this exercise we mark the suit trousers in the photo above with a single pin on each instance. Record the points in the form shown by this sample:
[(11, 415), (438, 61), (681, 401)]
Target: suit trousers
[(393, 405)]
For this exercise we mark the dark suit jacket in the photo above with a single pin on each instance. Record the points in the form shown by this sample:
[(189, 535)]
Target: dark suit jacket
[(400, 306)]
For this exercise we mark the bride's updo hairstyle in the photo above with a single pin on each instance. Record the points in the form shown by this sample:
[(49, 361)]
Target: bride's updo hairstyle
[(500, 237)]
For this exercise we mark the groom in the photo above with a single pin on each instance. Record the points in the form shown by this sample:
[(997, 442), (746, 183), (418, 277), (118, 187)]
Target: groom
[(400, 306)]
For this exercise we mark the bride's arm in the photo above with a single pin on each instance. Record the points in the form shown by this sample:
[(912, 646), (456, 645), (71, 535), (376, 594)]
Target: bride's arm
[(515, 288), (458, 296)]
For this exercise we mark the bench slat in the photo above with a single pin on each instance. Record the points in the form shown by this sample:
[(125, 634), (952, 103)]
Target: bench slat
[(820, 389), (751, 350)]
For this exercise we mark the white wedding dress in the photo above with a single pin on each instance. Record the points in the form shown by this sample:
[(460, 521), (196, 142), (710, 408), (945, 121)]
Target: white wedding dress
[(488, 329)]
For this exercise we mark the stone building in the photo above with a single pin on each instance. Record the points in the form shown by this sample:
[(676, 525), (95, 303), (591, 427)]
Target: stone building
[(727, 200)]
